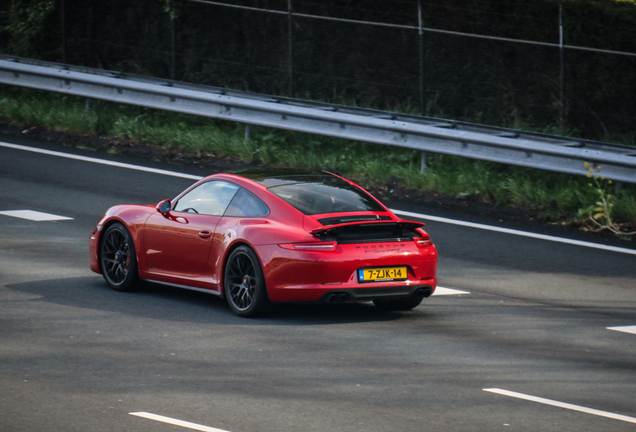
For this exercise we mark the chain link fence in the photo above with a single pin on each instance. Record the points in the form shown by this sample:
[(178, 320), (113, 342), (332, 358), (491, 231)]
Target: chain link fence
[(569, 65)]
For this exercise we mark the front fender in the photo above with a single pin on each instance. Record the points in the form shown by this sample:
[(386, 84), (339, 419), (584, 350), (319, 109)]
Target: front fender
[(133, 217)]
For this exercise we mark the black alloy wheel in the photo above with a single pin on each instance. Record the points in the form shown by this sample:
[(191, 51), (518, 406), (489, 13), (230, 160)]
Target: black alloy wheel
[(244, 284), (117, 258)]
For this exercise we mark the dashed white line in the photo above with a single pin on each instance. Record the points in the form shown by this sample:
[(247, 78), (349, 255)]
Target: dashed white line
[(176, 422), (440, 291), (34, 215), (562, 405), (624, 329), (406, 213)]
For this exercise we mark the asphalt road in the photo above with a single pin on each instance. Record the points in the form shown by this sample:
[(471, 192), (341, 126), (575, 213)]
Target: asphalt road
[(526, 347)]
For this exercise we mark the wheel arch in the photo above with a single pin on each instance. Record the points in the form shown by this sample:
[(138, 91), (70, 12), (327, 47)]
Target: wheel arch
[(228, 252), (105, 227)]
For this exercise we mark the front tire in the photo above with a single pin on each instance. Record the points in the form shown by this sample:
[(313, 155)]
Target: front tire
[(117, 258), (244, 284)]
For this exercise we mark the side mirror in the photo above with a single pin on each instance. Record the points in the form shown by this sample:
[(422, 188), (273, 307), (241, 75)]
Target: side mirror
[(164, 207)]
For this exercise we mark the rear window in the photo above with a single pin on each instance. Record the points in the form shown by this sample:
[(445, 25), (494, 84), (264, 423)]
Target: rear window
[(329, 196)]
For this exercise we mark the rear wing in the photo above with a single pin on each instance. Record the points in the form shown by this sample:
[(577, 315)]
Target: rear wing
[(411, 225)]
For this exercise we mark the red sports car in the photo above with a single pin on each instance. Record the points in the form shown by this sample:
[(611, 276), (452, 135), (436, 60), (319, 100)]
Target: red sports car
[(264, 236)]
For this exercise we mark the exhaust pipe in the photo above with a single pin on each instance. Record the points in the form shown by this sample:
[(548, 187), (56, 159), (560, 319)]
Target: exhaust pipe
[(340, 297), (421, 293)]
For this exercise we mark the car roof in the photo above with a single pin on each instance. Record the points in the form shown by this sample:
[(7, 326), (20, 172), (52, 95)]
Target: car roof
[(271, 177)]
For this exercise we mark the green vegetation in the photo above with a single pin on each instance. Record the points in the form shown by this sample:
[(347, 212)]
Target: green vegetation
[(601, 213), (552, 197)]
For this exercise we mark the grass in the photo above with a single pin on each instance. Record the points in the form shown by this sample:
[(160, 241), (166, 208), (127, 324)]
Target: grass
[(552, 197)]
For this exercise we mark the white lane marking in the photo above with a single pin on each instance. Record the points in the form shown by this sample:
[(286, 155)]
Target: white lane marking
[(448, 291), (99, 161), (625, 329), (562, 405), (34, 215), (516, 232), (176, 422), (406, 213)]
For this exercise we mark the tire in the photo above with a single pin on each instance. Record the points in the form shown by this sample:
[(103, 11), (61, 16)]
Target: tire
[(117, 258), (244, 284), (403, 304)]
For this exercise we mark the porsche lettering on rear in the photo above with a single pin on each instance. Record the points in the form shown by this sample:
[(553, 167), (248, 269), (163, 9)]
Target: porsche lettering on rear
[(394, 246)]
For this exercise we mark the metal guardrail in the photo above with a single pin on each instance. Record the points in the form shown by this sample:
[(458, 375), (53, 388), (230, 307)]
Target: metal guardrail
[(426, 134)]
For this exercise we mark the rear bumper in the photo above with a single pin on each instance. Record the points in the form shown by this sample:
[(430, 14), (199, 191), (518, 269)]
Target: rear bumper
[(369, 294), (292, 276)]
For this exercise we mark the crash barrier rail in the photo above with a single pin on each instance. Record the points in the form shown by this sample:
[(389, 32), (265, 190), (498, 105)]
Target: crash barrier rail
[(429, 135)]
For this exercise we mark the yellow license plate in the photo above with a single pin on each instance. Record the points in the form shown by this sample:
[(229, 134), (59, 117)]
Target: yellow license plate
[(381, 274)]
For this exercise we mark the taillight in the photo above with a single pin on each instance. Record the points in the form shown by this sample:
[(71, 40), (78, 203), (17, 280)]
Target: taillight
[(310, 247), (423, 241)]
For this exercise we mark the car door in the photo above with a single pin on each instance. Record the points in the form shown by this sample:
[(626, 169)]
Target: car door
[(178, 243)]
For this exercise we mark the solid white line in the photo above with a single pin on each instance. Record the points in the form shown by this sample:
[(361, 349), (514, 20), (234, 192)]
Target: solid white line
[(99, 161), (562, 405), (625, 329), (406, 213), (516, 232), (176, 422), (33, 215)]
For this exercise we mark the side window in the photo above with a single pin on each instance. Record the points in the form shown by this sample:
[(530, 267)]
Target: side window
[(210, 198), (246, 204)]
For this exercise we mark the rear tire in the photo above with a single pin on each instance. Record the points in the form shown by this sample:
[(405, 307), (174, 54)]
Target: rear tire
[(244, 284), (117, 258)]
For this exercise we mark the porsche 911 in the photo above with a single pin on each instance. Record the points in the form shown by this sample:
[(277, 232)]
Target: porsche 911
[(258, 237)]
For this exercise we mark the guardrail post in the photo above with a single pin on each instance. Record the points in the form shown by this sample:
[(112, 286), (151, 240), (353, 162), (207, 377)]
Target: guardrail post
[(424, 165), (248, 132)]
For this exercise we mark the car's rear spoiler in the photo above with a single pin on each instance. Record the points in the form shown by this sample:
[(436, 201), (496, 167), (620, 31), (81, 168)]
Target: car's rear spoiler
[(403, 223)]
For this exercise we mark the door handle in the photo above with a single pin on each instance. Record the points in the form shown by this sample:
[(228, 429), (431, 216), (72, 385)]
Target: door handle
[(205, 234)]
